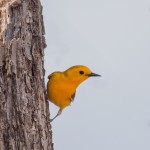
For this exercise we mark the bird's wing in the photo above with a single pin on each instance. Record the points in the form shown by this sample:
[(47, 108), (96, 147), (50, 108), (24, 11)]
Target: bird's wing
[(49, 76), (73, 96)]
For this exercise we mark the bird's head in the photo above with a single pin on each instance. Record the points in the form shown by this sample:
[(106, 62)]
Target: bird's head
[(79, 73)]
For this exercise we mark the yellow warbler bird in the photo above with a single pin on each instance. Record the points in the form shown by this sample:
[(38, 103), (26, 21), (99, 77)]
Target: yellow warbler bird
[(61, 87)]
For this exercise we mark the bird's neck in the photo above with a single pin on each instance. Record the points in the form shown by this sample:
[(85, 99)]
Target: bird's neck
[(74, 83)]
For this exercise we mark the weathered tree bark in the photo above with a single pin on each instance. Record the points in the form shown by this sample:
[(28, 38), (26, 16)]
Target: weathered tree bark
[(24, 109)]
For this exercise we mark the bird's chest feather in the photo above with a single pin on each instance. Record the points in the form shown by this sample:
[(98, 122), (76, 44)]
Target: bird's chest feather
[(60, 92)]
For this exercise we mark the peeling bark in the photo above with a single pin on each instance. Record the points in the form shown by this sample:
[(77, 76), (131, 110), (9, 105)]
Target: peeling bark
[(24, 109)]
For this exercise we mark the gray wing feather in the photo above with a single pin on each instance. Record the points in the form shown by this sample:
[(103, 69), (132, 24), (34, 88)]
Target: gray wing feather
[(72, 97)]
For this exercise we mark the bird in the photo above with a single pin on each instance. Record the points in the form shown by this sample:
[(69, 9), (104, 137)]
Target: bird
[(61, 86)]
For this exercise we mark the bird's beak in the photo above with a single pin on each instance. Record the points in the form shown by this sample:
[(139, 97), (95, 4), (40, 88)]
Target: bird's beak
[(93, 75)]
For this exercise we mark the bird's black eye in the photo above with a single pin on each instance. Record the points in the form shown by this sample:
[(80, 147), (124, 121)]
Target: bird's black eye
[(81, 72)]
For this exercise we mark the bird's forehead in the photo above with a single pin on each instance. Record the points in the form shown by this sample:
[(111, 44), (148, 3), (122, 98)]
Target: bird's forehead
[(80, 68)]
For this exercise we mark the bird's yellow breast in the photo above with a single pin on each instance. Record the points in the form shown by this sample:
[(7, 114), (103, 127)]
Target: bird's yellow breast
[(60, 89)]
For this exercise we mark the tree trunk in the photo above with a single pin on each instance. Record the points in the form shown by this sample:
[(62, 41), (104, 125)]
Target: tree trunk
[(24, 109)]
